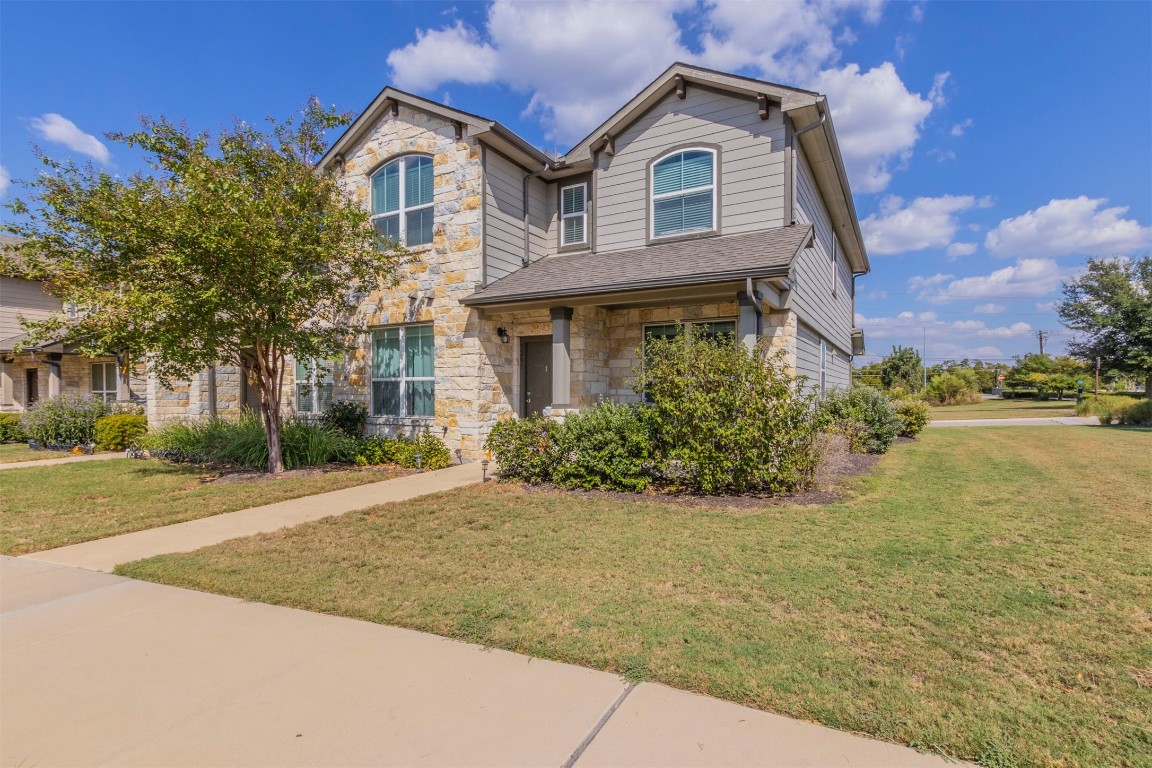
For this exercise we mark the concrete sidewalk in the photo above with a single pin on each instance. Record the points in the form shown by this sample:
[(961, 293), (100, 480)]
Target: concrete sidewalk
[(65, 459), (1067, 421), (106, 554), (100, 670)]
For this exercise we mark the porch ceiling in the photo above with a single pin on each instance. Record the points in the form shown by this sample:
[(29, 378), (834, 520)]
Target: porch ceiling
[(690, 269)]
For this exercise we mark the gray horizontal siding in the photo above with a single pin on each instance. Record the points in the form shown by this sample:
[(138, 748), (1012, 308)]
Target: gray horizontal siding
[(808, 356), (752, 166), (23, 298), (504, 216), (830, 316)]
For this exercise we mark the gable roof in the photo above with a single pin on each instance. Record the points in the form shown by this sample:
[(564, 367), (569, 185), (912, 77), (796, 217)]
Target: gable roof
[(767, 253)]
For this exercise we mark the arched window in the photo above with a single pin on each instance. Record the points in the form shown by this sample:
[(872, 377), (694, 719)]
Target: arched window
[(684, 193), (402, 200)]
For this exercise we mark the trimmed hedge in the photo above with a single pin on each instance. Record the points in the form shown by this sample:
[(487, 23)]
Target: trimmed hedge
[(118, 431), (10, 429)]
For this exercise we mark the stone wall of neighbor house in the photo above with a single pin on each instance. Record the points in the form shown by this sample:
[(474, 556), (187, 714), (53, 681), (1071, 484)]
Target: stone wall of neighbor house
[(75, 378)]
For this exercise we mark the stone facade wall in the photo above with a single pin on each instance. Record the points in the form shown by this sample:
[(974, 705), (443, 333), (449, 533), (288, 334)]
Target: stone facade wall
[(75, 378)]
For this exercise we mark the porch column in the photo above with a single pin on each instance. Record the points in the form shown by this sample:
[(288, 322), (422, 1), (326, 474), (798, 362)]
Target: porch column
[(561, 356), (123, 388), (748, 323), (54, 363), (6, 383), (212, 409)]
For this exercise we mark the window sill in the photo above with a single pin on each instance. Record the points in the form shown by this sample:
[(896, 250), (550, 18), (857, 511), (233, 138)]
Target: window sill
[(402, 420), (686, 236)]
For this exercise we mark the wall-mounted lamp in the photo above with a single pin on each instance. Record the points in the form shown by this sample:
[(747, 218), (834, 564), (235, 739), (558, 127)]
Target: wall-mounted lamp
[(502, 332)]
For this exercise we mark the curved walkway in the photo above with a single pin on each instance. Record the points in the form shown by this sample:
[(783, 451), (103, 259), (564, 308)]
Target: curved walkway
[(106, 554)]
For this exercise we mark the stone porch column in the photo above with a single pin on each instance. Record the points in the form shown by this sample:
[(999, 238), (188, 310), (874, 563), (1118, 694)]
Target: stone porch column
[(6, 384), (54, 362), (123, 387), (561, 356)]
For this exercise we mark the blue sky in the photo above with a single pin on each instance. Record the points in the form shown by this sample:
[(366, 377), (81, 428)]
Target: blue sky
[(992, 147)]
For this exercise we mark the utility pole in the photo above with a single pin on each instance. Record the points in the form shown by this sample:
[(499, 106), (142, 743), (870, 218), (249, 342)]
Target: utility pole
[(1042, 335)]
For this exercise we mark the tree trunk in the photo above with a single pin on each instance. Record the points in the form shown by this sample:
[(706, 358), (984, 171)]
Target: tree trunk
[(270, 371), (1148, 386)]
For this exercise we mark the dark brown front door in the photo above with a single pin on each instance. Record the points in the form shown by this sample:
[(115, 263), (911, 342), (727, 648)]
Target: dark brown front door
[(537, 375), (31, 387)]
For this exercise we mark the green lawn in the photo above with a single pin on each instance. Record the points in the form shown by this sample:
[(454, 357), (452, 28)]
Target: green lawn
[(1006, 409), (46, 507), (11, 453), (986, 594)]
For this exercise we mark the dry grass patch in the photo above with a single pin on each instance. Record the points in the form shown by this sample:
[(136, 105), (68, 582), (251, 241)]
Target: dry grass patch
[(47, 507), (1006, 409), (985, 594)]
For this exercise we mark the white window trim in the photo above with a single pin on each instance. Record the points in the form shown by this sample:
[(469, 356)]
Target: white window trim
[(583, 214), (103, 394), (402, 211), (403, 378), (314, 383), (832, 260), (653, 197)]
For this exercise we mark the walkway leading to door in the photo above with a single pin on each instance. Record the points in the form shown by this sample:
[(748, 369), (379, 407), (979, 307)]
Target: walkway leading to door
[(106, 554), (100, 670)]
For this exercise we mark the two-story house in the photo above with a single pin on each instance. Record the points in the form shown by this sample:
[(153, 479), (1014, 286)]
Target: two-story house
[(30, 372), (709, 199)]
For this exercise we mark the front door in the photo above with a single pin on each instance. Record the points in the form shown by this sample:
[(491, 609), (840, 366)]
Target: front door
[(31, 387), (537, 374)]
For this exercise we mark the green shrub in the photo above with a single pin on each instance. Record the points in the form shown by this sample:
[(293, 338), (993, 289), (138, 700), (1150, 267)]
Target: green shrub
[(525, 449), (608, 446), (64, 421), (960, 387), (914, 415), (864, 415), (118, 431), (242, 442), (1139, 414), (726, 419), (346, 417), (1107, 408), (378, 449), (10, 429)]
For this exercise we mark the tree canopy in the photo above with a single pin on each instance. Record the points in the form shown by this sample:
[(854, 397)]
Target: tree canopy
[(902, 368), (236, 249), (1110, 308)]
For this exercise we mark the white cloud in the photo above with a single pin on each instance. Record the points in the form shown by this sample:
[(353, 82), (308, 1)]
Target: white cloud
[(877, 294), (961, 127), (578, 61), (926, 222), (936, 92), (1046, 306), (956, 250), (877, 120), (1061, 227), (912, 327), (989, 309), (5, 180), (1026, 279), (60, 130)]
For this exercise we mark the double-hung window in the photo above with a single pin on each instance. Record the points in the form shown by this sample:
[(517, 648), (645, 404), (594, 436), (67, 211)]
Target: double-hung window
[(313, 386), (403, 371), (104, 378), (684, 193), (402, 201), (711, 329), (574, 215)]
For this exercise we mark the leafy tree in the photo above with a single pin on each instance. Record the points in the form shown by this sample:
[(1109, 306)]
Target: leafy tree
[(902, 368), (1110, 306), (238, 249)]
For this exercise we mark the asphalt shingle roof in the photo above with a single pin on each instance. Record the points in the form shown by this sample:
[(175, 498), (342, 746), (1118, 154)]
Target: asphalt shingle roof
[(688, 262)]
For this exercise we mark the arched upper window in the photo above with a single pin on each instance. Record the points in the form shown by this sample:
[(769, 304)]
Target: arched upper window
[(684, 193), (402, 200)]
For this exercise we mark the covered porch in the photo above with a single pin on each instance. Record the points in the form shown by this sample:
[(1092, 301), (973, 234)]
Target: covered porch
[(32, 373)]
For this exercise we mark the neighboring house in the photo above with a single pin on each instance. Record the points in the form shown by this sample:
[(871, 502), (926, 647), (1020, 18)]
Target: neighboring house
[(45, 369), (708, 198)]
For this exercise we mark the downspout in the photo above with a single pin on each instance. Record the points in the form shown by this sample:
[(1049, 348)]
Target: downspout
[(528, 177), (759, 310)]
